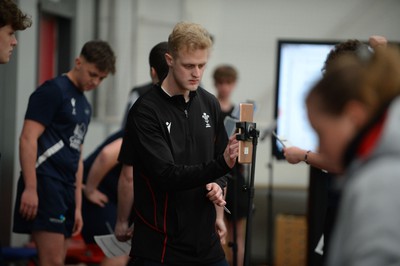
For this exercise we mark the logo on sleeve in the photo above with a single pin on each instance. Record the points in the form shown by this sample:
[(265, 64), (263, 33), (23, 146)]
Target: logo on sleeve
[(206, 119)]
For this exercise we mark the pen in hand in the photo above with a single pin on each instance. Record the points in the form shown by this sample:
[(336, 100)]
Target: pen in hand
[(227, 210)]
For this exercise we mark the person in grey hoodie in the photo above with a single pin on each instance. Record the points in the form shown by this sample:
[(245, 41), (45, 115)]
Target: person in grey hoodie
[(355, 110)]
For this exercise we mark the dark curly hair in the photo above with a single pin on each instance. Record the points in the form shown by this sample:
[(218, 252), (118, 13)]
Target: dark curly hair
[(348, 47), (10, 14), (374, 82)]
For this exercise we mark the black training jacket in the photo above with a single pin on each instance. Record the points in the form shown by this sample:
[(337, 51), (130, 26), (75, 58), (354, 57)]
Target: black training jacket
[(176, 149)]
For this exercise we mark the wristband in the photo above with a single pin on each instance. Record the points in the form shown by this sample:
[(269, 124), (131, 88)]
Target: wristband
[(306, 157)]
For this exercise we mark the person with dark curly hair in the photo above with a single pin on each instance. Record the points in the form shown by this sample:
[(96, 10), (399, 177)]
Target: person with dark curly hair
[(359, 131), (318, 159), (12, 19), (295, 154)]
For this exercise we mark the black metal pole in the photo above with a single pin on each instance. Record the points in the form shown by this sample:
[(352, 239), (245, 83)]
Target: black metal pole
[(270, 219), (247, 251), (234, 219)]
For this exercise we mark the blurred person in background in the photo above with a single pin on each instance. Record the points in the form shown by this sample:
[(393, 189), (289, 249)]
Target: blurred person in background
[(355, 110), (317, 159), (225, 79)]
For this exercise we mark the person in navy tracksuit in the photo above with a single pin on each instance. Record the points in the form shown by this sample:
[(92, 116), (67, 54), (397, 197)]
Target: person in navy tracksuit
[(48, 203)]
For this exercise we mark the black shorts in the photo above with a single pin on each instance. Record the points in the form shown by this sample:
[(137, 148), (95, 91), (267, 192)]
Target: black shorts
[(56, 210)]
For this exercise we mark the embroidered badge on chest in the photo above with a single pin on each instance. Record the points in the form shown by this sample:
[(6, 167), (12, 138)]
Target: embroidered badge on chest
[(73, 102), (168, 124), (206, 119)]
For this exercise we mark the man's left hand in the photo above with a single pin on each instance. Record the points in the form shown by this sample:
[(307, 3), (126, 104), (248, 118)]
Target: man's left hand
[(215, 194)]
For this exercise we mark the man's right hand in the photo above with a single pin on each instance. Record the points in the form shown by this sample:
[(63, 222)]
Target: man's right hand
[(231, 151), (29, 204)]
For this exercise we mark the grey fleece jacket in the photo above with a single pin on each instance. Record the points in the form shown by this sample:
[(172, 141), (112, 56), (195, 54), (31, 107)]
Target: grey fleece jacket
[(367, 230)]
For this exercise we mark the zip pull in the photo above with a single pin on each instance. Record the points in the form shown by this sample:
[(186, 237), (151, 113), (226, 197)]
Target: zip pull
[(186, 113)]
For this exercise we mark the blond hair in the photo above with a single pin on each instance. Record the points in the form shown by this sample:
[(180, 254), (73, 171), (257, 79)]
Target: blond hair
[(190, 36)]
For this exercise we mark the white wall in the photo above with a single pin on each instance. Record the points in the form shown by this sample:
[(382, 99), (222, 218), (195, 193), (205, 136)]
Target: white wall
[(246, 34)]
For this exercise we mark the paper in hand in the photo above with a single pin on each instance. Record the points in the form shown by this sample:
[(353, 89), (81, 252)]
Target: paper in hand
[(111, 246)]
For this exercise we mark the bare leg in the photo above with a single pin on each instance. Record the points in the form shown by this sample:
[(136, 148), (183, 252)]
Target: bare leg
[(51, 248), (241, 236), (240, 239)]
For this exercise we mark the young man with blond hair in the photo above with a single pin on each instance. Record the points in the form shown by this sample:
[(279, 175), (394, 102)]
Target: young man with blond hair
[(176, 141)]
